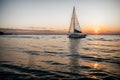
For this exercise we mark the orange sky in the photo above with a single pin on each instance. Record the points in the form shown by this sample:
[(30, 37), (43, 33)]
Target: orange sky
[(101, 30)]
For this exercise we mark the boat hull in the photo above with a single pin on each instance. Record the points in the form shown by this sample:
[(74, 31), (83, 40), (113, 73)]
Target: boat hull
[(77, 35)]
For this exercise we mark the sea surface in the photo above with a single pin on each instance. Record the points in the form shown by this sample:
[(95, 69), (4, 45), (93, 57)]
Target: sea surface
[(56, 57)]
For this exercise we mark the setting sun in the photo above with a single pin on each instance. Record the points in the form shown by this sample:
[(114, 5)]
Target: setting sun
[(96, 30)]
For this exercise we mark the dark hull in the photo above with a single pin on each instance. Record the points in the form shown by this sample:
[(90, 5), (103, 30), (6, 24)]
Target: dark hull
[(77, 35)]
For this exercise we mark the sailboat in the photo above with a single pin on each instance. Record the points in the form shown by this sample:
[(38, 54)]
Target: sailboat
[(74, 30)]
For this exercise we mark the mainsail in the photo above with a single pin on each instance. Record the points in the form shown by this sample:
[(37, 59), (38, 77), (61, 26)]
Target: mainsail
[(74, 25)]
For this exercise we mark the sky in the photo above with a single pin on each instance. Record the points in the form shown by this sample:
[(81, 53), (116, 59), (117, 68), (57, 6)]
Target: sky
[(95, 16)]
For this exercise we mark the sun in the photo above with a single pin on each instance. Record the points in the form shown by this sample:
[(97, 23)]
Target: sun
[(96, 30)]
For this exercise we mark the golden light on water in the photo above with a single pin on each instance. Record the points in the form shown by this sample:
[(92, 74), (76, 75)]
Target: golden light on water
[(94, 77), (95, 65)]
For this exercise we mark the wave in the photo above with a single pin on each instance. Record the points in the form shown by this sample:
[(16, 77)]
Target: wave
[(25, 73), (53, 63), (21, 36), (102, 39), (96, 59), (44, 53), (33, 52)]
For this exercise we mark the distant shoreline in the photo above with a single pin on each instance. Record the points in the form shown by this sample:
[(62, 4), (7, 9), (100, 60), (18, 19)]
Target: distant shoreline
[(4, 31), (56, 34)]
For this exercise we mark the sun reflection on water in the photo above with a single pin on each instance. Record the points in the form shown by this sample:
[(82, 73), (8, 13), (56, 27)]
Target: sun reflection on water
[(96, 65), (94, 77)]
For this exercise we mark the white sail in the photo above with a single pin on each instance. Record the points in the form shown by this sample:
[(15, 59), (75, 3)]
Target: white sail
[(74, 30), (74, 25)]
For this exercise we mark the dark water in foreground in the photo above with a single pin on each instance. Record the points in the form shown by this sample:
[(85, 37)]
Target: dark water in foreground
[(56, 57)]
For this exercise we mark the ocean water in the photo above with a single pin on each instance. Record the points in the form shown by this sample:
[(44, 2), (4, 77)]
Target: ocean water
[(56, 57)]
